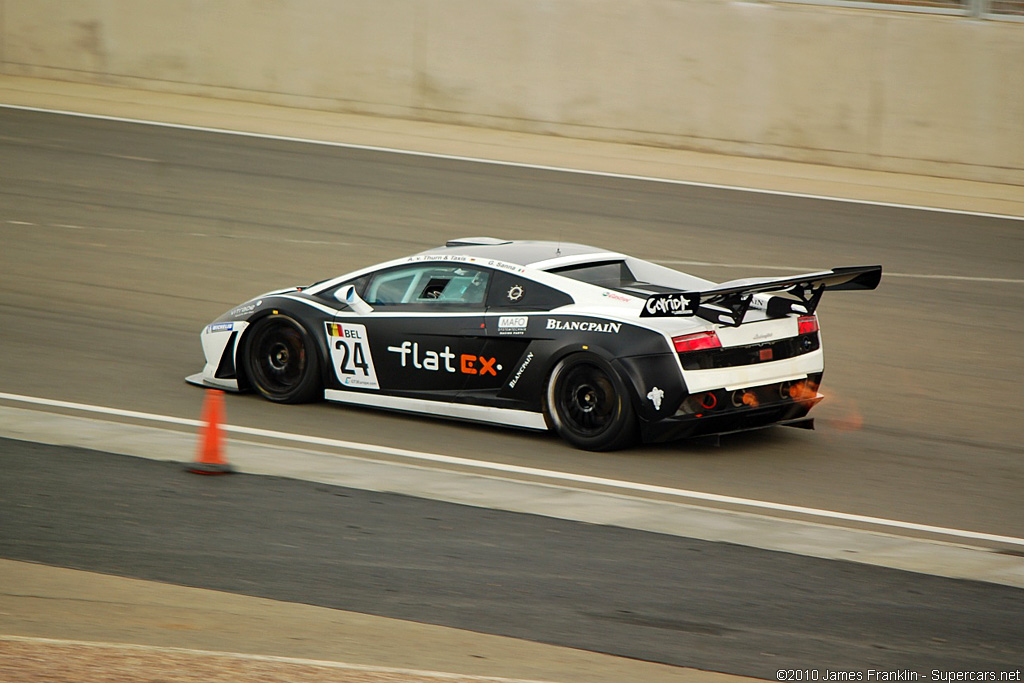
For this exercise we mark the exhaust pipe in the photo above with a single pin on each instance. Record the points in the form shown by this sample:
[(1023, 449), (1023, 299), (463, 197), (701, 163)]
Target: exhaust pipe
[(743, 397)]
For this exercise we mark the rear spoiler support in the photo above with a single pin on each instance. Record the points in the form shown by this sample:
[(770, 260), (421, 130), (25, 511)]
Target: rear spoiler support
[(729, 302)]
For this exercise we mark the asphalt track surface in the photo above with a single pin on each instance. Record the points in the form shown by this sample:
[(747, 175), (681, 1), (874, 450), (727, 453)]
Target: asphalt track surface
[(712, 606), (121, 241)]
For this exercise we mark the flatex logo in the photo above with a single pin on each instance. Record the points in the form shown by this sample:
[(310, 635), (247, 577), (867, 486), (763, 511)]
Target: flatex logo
[(428, 360), (436, 361)]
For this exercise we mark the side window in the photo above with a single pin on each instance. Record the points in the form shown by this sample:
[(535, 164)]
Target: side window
[(511, 292), (611, 274), (425, 286), (390, 288)]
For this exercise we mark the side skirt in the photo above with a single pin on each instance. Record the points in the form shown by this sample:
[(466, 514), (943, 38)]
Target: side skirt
[(201, 380), (458, 411)]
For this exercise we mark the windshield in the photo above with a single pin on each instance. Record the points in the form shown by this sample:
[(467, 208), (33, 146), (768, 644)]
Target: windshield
[(633, 276)]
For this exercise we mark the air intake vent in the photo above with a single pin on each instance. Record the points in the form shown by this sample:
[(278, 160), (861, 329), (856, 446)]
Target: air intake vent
[(476, 242)]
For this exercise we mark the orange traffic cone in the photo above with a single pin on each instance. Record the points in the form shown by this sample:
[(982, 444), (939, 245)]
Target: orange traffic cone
[(210, 458)]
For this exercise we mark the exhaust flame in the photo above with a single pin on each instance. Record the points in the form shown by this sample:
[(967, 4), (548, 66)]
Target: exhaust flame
[(801, 391), (849, 417)]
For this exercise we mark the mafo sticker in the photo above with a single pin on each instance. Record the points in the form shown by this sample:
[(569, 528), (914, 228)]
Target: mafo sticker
[(350, 355), (513, 324)]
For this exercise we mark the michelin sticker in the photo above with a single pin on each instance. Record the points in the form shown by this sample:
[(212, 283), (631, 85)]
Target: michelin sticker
[(656, 395), (351, 357)]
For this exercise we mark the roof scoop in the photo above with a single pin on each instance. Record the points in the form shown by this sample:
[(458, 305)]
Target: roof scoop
[(476, 242)]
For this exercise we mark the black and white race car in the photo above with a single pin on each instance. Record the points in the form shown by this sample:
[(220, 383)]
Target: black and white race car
[(600, 347)]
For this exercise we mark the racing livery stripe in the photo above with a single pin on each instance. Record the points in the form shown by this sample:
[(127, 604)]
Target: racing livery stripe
[(309, 302), (463, 411)]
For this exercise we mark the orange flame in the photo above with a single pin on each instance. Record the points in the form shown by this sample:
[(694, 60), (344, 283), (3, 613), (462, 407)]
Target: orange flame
[(801, 391), (850, 418)]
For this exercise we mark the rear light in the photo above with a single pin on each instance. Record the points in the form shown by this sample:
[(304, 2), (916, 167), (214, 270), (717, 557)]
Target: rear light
[(696, 342), (807, 324)]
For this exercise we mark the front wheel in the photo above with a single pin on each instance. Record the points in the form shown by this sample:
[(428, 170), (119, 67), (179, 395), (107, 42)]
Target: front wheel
[(587, 404), (281, 361)]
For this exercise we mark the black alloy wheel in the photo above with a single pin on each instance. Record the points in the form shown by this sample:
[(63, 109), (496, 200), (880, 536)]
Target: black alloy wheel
[(281, 361), (588, 406)]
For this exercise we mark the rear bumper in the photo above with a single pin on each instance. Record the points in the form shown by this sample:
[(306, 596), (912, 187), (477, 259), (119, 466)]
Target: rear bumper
[(720, 413), (683, 427)]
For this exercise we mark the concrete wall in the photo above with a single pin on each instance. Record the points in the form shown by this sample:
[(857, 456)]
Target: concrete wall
[(884, 90)]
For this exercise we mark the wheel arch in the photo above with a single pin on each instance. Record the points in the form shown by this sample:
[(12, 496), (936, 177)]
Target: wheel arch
[(633, 384), (313, 325), (608, 363)]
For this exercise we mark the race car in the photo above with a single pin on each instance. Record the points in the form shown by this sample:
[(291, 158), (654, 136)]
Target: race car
[(602, 348)]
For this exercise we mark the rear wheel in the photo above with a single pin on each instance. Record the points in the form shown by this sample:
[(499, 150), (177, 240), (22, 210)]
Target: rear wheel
[(281, 361), (588, 406)]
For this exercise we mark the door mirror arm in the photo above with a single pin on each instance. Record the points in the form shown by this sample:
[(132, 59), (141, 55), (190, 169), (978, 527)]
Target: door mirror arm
[(348, 296)]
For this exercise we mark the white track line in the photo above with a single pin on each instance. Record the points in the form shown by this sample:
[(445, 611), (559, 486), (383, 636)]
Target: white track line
[(273, 659), (531, 471), (511, 164)]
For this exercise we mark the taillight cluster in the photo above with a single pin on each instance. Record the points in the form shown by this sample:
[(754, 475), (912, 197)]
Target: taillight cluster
[(689, 346), (698, 341), (807, 324)]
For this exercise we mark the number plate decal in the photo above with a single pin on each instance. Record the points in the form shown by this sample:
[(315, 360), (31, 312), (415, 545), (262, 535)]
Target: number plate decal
[(351, 357)]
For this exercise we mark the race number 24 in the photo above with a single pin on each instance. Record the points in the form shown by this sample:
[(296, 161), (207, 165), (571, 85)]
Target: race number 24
[(350, 354), (354, 360)]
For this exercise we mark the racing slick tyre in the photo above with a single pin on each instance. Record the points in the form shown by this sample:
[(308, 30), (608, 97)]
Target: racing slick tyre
[(281, 361), (587, 404)]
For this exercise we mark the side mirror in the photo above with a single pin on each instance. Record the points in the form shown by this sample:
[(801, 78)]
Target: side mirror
[(348, 296)]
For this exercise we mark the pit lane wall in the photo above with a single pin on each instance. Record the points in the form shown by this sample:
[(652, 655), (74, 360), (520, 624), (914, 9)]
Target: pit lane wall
[(909, 92)]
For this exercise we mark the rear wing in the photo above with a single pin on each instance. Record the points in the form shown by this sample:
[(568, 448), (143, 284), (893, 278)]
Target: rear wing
[(728, 302)]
